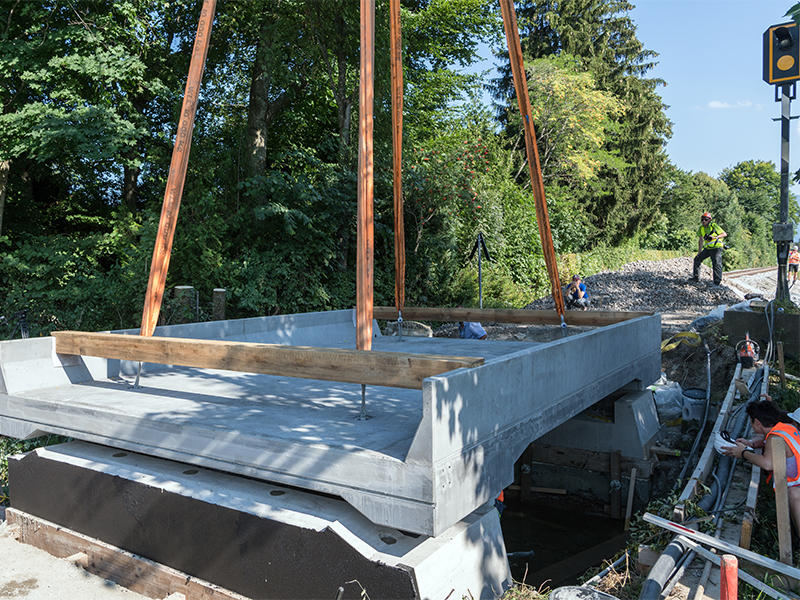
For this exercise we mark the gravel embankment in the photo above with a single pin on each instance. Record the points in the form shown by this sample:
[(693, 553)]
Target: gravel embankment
[(654, 286)]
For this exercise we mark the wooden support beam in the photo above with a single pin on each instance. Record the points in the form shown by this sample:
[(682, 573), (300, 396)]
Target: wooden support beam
[(707, 459), (365, 211), (748, 521), (396, 50), (134, 572), (615, 493), (531, 148), (390, 369), (629, 507), (177, 173), (778, 449), (506, 315)]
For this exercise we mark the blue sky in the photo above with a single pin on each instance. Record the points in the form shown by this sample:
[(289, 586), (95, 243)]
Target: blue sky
[(710, 56)]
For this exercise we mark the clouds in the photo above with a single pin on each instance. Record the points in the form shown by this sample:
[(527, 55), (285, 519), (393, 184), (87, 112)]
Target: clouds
[(714, 104)]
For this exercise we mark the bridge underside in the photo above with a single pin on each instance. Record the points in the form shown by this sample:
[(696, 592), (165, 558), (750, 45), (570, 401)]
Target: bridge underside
[(420, 462)]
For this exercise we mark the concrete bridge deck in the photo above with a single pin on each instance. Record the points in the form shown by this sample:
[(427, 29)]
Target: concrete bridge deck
[(422, 461)]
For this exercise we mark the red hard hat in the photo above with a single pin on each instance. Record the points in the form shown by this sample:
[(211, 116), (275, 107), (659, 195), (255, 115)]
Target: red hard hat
[(705, 214)]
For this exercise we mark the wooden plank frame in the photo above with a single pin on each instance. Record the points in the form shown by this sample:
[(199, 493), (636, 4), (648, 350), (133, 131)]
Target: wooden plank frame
[(389, 369), (706, 461), (134, 572), (745, 537)]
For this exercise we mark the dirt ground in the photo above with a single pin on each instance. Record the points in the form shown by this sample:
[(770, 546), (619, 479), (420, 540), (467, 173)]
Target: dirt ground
[(32, 574)]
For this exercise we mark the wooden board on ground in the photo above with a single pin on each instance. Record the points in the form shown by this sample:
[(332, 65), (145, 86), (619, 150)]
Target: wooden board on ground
[(752, 493), (391, 369), (748, 520), (134, 572), (706, 461)]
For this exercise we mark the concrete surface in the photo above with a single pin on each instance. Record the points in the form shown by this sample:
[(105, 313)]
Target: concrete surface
[(251, 537), (632, 430), (422, 461)]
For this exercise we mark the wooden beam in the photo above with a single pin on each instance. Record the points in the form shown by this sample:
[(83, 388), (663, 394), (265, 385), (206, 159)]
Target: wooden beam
[(746, 535), (507, 315), (531, 148), (631, 491), (708, 458), (778, 450), (615, 495), (390, 369), (707, 540), (396, 49), (177, 173), (134, 572), (364, 217)]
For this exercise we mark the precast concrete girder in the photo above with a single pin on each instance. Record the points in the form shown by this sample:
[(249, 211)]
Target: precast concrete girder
[(420, 462)]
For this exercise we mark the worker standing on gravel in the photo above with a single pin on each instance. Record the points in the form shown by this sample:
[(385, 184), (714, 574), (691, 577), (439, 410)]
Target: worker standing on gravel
[(709, 245), (794, 263), (766, 420)]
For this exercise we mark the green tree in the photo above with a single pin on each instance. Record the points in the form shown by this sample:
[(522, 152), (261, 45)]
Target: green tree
[(85, 91), (602, 37), (758, 186), (572, 120)]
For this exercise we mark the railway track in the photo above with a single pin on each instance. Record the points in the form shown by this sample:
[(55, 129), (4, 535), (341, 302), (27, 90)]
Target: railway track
[(746, 272)]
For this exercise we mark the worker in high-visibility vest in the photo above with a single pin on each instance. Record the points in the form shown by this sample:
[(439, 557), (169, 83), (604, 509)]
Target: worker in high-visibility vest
[(709, 245), (767, 420), (794, 263)]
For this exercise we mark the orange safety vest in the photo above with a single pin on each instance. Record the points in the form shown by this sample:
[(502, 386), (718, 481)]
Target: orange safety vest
[(794, 257), (791, 436)]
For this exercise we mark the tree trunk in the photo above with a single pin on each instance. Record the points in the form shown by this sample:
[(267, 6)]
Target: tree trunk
[(344, 103), (5, 167), (261, 112), (130, 176)]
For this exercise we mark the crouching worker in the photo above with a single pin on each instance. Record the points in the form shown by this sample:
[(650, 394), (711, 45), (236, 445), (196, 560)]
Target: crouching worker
[(469, 330), (577, 296), (768, 420)]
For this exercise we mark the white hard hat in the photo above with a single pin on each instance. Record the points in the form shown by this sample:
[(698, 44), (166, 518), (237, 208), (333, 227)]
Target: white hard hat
[(794, 248), (794, 416)]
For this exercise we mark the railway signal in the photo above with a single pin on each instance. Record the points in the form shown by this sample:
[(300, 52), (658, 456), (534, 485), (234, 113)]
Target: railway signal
[(782, 53), (782, 69)]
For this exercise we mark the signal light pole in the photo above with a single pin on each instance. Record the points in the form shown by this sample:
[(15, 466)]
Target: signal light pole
[(782, 69)]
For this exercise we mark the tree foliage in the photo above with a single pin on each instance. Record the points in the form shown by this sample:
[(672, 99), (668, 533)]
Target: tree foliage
[(91, 90), (739, 202), (601, 37)]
